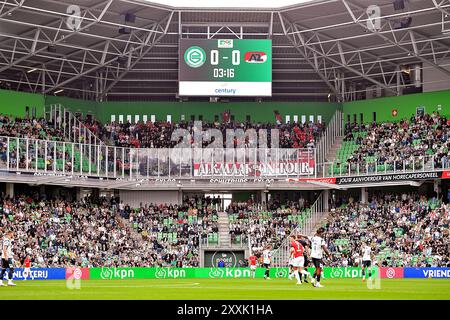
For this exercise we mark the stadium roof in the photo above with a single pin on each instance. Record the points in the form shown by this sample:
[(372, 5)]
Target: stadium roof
[(229, 3), (320, 48)]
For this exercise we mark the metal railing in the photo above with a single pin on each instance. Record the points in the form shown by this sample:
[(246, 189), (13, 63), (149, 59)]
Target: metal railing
[(334, 129), (306, 227), (73, 129), (94, 160), (90, 160), (377, 167)]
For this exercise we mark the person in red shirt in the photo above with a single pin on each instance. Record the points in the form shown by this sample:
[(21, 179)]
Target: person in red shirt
[(298, 260), (252, 260), (27, 267)]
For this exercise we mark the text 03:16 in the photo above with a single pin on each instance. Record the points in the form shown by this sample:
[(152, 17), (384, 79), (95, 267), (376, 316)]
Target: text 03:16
[(223, 73)]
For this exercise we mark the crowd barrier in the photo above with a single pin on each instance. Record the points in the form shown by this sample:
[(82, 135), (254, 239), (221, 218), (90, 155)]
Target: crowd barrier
[(107, 273)]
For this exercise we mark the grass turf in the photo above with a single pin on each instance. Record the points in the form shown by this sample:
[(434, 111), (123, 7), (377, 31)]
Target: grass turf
[(217, 289)]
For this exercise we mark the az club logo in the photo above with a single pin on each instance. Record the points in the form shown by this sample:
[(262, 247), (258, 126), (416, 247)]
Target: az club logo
[(255, 57), (195, 57)]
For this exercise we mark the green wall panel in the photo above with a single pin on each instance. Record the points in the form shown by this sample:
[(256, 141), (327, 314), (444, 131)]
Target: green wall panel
[(14, 103), (405, 105), (259, 112), (75, 105)]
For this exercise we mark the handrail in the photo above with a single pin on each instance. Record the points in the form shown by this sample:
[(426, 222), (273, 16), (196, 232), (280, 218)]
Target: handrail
[(261, 164), (415, 164), (333, 130), (67, 120), (306, 227)]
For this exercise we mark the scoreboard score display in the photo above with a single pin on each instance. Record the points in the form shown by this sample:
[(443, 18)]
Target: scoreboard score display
[(225, 67)]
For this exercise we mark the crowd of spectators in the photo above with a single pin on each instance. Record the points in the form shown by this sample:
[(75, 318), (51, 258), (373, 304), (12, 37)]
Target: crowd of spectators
[(96, 232), (159, 134), (35, 129), (32, 128), (402, 229), (264, 224), (401, 143), (175, 230)]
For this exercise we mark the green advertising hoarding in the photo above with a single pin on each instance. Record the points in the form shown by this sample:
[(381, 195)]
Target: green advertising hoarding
[(107, 273)]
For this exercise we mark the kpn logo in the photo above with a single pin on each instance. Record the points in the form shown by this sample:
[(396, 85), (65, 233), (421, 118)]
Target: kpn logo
[(216, 273), (255, 57), (163, 273), (195, 57), (116, 273)]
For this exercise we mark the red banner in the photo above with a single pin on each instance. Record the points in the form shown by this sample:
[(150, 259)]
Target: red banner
[(330, 180), (391, 272), (77, 273), (445, 174)]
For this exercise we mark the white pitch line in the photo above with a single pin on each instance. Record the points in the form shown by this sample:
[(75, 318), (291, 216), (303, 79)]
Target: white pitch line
[(179, 285)]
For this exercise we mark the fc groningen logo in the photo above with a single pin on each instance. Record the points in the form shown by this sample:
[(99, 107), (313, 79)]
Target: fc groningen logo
[(195, 57)]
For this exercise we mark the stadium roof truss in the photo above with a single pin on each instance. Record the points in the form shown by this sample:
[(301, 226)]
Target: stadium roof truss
[(320, 47)]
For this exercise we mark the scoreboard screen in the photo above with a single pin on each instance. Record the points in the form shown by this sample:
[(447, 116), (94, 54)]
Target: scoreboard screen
[(225, 67)]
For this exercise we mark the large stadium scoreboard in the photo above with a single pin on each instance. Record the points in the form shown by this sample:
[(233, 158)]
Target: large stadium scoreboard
[(225, 67)]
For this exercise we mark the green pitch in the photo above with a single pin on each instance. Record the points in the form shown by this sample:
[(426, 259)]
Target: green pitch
[(218, 289)]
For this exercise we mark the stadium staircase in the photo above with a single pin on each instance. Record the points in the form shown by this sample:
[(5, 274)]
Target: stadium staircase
[(316, 217), (331, 155), (224, 230), (331, 138), (62, 118)]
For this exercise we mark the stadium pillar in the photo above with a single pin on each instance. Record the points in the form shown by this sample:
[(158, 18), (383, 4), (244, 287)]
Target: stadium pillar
[(364, 195), (263, 197), (78, 194), (437, 187), (180, 197), (10, 189), (42, 190), (326, 200)]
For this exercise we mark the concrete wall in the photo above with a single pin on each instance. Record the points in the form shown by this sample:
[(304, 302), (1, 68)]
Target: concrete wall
[(134, 198), (405, 105)]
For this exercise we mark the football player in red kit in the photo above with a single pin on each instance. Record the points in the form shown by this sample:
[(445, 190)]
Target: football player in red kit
[(297, 258), (27, 267), (252, 260)]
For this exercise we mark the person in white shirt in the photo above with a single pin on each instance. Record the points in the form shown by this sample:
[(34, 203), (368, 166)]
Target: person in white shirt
[(317, 248), (367, 258), (7, 259), (267, 259)]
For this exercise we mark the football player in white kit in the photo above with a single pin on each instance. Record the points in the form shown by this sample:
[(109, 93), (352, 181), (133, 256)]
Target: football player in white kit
[(7, 259), (317, 248), (267, 259), (367, 257)]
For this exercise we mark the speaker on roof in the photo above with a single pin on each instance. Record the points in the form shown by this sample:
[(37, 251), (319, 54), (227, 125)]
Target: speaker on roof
[(130, 17), (124, 30), (122, 60), (399, 4), (406, 23)]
